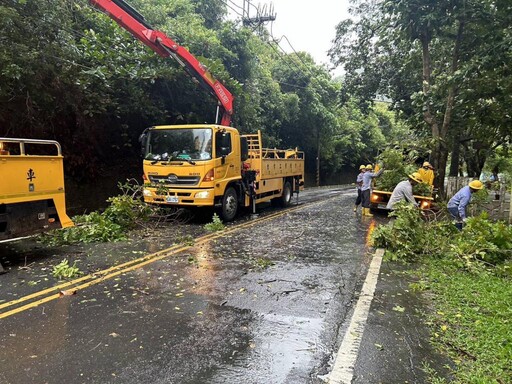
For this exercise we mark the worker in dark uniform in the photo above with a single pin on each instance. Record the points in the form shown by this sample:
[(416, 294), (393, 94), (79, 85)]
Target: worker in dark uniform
[(359, 183), (366, 188)]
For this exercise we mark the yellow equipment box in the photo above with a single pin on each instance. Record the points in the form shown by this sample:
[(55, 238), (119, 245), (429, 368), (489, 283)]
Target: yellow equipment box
[(32, 198)]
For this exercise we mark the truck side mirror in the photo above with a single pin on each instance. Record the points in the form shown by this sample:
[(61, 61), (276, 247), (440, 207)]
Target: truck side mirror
[(244, 148), (143, 140), (222, 144)]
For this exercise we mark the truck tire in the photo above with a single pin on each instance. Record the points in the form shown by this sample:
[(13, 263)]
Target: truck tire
[(229, 204), (286, 197)]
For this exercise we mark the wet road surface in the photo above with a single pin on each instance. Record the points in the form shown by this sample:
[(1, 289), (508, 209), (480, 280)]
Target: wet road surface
[(262, 302)]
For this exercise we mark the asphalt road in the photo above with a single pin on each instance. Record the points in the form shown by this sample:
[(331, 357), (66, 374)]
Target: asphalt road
[(265, 301)]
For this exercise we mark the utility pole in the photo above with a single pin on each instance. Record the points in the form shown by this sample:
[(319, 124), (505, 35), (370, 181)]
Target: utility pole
[(262, 15), (510, 208), (317, 157)]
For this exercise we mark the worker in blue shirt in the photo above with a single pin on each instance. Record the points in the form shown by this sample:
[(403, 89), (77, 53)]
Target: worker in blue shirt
[(359, 183), (366, 187), (458, 203)]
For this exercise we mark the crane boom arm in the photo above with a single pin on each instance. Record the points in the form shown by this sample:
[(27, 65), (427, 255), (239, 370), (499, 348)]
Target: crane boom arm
[(128, 18)]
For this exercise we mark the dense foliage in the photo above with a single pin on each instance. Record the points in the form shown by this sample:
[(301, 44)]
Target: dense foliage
[(480, 244), (398, 164), (443, 64), (68, 72), (123, 213)]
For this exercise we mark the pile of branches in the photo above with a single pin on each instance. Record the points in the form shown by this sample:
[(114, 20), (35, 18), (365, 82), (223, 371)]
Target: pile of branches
[(125, 212)]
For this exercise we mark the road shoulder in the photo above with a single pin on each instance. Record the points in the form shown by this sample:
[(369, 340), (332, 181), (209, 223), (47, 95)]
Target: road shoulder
[(396, 343)]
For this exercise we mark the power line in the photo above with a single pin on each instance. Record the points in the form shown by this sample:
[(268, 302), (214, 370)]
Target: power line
[(313, 76), (291, 46), (284, 60), (236, 5), (233, 9)]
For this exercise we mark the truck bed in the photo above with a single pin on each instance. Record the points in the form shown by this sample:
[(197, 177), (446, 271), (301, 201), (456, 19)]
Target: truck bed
[(273, 163)]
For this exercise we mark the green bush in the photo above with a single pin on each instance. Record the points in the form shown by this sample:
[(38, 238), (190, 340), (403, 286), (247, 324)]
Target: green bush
[(481, 243), (422, 189), (408, 237), (483, 240), (88, 228), (397, 167), (215, 225), (124, 212)]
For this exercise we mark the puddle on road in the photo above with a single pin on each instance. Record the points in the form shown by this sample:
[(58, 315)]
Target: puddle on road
[(279, 346)]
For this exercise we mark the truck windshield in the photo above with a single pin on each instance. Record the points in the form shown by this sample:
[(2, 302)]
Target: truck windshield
[(189, 144)]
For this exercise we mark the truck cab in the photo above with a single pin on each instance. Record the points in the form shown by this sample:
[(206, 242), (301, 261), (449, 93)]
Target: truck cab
[(190, 165), (214, 166)]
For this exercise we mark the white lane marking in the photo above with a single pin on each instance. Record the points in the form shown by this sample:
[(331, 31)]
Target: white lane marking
[(343, 370)]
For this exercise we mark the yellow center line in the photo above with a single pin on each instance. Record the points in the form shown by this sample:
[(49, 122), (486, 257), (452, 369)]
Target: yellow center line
[(83, 278), (129, 266)]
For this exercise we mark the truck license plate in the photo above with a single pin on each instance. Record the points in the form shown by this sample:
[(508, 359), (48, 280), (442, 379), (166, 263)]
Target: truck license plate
[(171, 199)]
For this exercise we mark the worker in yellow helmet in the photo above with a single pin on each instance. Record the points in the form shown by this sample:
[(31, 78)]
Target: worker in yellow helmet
[(366, 188), (427, 173), (359, 183), (458, 203), (403, 191)]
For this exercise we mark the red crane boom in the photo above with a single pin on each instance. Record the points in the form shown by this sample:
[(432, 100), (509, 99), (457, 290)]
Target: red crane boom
[(128, 18)]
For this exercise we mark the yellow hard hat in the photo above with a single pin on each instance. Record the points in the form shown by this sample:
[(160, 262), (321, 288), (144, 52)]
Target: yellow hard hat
[(427, 164), (362, 167), (369, 166), (416, 177), (476, 184)]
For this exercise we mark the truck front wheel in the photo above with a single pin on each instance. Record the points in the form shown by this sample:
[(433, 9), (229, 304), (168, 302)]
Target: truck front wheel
[(229, 204)]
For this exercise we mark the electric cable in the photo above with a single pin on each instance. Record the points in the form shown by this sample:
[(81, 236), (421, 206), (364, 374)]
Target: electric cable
[(233, 9)]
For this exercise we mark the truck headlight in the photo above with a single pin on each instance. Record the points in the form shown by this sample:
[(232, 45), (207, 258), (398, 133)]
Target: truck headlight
[(202, 195), (147, 192)]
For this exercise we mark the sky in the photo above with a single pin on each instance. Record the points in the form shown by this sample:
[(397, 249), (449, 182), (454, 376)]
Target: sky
[(309, 25)]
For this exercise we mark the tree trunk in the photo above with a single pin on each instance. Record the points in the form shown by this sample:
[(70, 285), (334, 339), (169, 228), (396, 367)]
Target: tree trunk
[(454, 165), (440, 159), (440, 132), (475, 161), (472, 166), (455, 161)]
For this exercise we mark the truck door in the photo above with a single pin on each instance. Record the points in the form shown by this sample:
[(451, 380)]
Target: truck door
[(227, 164)]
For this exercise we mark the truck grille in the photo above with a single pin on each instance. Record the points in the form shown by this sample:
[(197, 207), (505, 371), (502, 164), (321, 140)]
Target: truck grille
[(172, 179)]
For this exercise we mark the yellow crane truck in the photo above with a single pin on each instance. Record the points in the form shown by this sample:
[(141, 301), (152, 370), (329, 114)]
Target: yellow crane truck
[(215, 166), (32, 198), (206, 165)]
